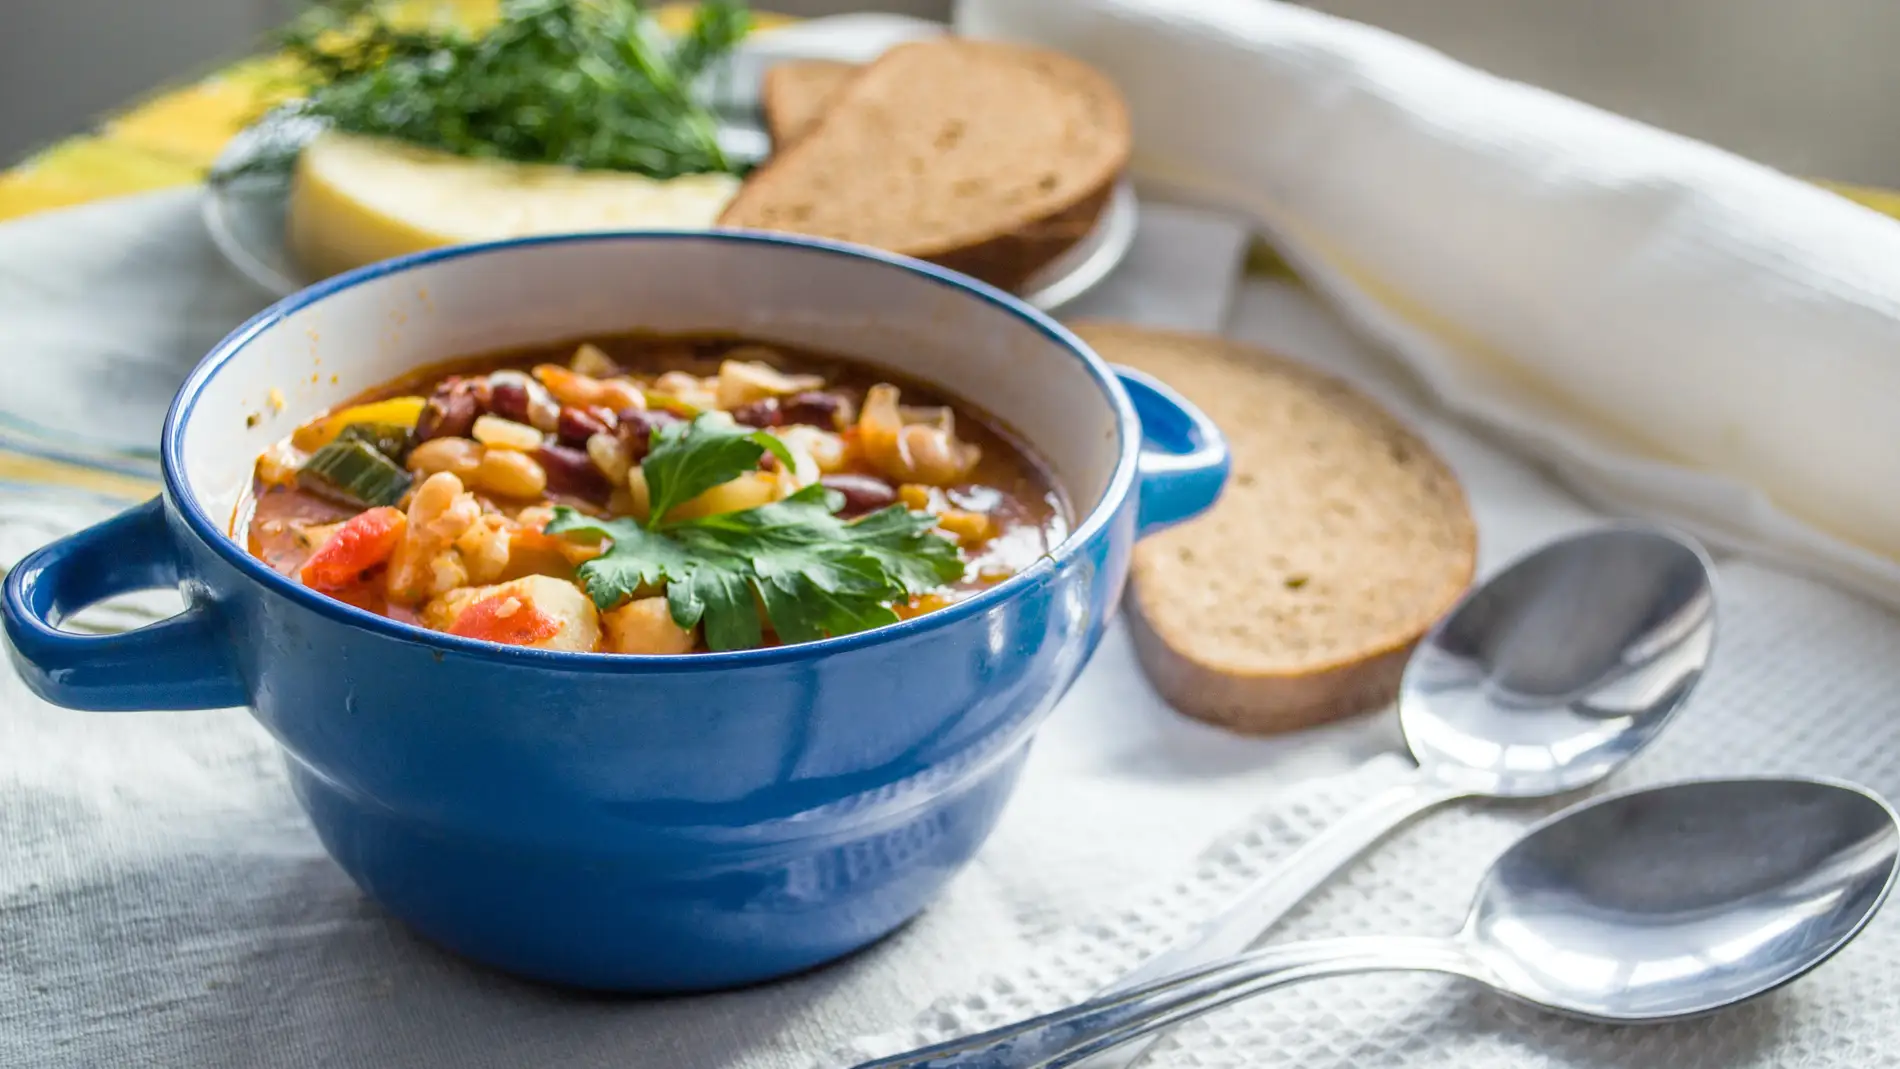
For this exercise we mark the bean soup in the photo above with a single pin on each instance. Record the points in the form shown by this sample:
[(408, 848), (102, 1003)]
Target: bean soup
[(651, 495)]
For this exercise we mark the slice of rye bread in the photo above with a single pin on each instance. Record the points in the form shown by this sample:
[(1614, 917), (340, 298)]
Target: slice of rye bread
[(987, 158), (1339, 540), (793, 95)]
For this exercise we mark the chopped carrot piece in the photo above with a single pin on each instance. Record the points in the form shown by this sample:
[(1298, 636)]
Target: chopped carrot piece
[(363, 542), (507, 619)]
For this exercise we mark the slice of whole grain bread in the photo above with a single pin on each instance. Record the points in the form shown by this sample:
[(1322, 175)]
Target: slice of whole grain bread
[(1339, 540), (988, 158)]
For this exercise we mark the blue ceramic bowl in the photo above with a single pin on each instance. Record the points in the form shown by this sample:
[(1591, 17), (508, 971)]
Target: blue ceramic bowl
[(628, 823)]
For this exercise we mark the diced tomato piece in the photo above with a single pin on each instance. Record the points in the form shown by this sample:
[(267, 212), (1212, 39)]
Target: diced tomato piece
[(507, 619), (363, 542)]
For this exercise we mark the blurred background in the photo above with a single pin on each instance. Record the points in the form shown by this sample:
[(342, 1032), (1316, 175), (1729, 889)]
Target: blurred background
[(1810, 87)]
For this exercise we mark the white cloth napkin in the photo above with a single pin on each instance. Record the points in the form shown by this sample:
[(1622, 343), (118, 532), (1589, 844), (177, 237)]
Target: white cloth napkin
[(1679, 332)]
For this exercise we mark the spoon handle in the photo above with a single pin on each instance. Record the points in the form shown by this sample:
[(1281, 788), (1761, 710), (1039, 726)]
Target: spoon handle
[(1076, 1035), (1269, 898), (1262, 903)]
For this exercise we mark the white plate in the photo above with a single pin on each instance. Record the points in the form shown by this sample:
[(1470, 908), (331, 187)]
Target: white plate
[(245, 214)]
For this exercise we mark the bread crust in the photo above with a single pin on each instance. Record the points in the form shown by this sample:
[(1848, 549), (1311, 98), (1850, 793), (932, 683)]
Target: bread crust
[(1265, 703), (1009, 260)]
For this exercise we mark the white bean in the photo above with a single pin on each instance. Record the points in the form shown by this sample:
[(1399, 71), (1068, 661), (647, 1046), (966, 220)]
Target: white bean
[(498, 433), (511, 474)]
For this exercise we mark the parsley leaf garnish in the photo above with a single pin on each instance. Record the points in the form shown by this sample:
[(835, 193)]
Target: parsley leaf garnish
[(688, 459), (638, 557), (583, 83), (815, 574)]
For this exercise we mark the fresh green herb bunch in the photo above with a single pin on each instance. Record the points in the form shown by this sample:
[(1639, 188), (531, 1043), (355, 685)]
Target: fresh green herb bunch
[(815, 574), (585, 83)]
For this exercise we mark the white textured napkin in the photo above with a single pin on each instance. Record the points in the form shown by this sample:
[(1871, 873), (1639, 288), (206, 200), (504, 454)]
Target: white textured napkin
[(1678, 331)]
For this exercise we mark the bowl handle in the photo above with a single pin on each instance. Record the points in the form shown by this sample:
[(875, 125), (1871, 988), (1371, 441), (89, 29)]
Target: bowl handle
[(1184, 458), (183, 662)]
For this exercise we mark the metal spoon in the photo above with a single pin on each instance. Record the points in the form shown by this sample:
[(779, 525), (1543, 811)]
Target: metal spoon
[(1543, 680), (1637, 908)]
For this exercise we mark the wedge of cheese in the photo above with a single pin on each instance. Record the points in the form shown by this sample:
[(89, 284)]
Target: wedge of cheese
[(356, 200)]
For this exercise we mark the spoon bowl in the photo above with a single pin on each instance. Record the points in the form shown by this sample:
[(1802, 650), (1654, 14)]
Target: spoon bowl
[(1668, 903), (1646, 906), (1561, 667)]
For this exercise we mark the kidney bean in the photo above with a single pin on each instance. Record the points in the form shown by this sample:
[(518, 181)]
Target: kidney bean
[(576, 425), (509, 400), (572, 472), (761, 413), (637, 426), (817, 408), (862, 493), (451, 411)]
